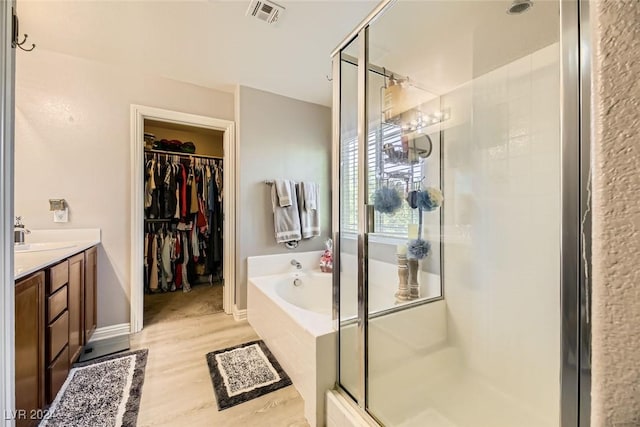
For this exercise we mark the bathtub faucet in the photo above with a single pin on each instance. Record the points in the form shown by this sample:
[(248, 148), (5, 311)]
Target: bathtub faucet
[(297, 264)]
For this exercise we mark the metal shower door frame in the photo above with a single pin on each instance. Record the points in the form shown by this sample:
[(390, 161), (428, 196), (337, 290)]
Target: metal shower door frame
[(575, 239)]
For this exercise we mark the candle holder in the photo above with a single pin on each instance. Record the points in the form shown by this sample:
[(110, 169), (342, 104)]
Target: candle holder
[(403, 279), (414, 286)]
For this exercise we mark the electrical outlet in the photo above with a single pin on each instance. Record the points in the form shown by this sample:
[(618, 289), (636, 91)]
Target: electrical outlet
[(61, 215)]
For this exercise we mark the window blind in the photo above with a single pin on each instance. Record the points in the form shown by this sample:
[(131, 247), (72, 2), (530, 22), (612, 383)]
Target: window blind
[(380, 172)]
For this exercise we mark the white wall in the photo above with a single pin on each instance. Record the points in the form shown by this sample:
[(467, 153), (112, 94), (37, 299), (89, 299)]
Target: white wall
[(502, 182), (279, 137), (72, 141)]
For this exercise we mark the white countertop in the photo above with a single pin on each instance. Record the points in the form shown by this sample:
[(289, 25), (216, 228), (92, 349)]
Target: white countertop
[(73, 241)]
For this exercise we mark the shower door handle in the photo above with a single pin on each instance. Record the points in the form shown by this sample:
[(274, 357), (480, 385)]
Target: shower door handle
[(370, 226)]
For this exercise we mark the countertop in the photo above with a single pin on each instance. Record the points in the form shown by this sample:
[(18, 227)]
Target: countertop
[(74, 240)]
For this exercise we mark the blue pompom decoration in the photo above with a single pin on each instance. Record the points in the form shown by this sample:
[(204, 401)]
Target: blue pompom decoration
[(418, 249), (387, 200), (429, 199)]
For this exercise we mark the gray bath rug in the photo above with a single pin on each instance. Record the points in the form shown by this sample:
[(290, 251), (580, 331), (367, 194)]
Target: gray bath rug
[(104, 392), (244, 372)]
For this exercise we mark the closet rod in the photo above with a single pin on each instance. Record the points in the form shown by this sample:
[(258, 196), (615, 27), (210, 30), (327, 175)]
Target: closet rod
[(177, 153)]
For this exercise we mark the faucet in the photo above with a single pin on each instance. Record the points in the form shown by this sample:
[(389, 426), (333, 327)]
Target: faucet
[(19, 231), (297, 264)]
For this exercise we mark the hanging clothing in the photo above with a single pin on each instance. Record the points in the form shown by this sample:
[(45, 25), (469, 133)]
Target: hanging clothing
[(153, 275), (185, 273), (184, 240)]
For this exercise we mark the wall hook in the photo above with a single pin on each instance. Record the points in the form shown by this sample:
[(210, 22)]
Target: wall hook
[(15, 43), (19, 44), (329, 78)]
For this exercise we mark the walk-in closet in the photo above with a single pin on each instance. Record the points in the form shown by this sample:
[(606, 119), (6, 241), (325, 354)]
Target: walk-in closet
[(183, 221)]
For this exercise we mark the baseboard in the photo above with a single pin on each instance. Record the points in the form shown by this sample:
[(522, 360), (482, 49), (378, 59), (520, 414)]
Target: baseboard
[(238, 314), (112, 331), (105, 346)]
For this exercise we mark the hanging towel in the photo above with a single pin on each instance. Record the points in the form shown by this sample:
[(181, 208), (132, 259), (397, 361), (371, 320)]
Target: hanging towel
[(310, 190), (309, 218), (286, 220), (284, 190)]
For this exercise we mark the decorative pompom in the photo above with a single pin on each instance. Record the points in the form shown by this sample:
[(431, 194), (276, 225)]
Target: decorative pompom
[(387, 200), (430, 199), (418, 249)]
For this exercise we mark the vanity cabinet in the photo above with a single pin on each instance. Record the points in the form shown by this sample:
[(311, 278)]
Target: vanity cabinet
[(29, 344), (58, 294), (55, 317), (90, 292), (76, 306)]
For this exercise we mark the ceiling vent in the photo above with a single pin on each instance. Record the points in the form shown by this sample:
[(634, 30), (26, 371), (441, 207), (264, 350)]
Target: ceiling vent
[(264, 10)]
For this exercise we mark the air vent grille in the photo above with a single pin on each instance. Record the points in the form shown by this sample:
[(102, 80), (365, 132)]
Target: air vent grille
[(264, 10)]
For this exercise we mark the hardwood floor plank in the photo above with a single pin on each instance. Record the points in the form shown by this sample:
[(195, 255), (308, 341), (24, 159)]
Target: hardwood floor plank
[(177, 388)]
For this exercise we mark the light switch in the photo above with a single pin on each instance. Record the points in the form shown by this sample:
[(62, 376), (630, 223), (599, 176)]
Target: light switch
[(61, 215)]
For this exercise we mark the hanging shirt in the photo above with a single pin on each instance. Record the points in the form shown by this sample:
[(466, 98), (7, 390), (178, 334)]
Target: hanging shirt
[(183, 191), (150, 184), (153, 275), (178, 177), (218, 178), (185, 252), (193, 205)]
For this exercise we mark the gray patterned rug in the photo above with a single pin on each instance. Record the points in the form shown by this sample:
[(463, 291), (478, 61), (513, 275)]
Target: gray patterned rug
[(244, 372), (104, 392)]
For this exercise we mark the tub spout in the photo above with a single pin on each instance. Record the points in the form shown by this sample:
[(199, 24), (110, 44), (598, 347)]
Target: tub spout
[(297, 264)]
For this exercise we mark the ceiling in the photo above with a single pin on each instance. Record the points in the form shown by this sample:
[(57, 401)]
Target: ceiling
[(440, 44), (443, 44), (207, 43)]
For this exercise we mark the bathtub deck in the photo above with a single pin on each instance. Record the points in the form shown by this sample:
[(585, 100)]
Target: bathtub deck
[(177, 388)]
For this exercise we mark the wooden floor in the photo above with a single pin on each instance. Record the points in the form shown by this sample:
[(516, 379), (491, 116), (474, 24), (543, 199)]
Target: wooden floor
[(203, 299), (177, 388)]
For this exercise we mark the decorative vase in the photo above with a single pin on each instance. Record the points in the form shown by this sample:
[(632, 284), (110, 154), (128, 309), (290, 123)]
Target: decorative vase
[(403, 282), (413, 267)]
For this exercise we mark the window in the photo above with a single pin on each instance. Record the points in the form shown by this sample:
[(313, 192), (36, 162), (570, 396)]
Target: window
[(380, 172)]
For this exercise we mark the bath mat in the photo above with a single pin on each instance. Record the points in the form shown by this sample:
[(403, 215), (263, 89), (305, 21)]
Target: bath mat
[(102, 392), (244, 372)]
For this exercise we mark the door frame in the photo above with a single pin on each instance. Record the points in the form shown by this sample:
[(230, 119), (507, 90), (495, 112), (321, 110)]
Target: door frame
[(7, 293), (138, 114)]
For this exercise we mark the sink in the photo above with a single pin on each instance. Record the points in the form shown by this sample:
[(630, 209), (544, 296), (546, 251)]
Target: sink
[(39, 247)]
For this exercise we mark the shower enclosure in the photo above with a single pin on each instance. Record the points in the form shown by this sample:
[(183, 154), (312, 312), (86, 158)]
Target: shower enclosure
[(460, 217)]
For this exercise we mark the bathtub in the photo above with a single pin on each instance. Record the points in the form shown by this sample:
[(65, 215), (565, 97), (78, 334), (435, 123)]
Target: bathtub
[(295, 323), (291, 310)]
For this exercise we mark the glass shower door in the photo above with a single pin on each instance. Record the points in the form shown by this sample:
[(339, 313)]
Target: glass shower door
[(450, 215), (483, 84), (349, 346)]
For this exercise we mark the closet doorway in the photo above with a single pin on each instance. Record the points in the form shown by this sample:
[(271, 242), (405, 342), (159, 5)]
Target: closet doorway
[(183, 221)]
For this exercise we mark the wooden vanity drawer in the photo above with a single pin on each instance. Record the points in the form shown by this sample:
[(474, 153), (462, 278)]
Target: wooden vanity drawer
[(57, 335), (57, 303), (58, 277), (57, 374)]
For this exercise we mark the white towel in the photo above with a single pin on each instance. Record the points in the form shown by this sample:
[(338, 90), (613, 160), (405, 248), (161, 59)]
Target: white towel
[(286, 220), (310, 190), (283, 189), (309, 218)]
